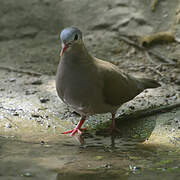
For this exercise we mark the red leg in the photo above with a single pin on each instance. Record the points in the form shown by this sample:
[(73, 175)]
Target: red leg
[(113, 121), (113, 125), (77, 128)]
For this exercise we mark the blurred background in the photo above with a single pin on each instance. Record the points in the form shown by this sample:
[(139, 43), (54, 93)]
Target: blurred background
[(29, 30)]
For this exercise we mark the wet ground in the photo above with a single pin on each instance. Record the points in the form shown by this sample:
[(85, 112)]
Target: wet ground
[(100, 159), (31, 144)]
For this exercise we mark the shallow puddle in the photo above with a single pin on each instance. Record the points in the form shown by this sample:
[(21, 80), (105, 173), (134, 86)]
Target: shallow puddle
[(100, 158)]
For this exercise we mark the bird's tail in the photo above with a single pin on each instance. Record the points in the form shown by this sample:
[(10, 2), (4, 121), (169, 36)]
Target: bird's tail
[(148, 83)]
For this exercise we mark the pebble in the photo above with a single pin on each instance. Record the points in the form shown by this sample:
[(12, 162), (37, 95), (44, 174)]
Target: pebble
[(36, 82), (174, 97), (165, 15), (27, 174), (35, 115), (42, 142), (12, 80), (108, 166), (134, 168), (177, 81), (131, 107), (19, 75), (8, 125), (2, 89), (44, 100), (15, 114), (29, 92), (48, 125)]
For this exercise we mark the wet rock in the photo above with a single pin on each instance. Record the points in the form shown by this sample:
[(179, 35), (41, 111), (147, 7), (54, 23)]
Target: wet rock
[(44, 100)]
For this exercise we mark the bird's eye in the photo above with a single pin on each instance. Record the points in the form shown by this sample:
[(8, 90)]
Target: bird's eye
[(76, 37)]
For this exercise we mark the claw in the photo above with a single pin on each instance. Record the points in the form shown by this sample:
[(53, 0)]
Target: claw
[(77, 128), (74, 131)]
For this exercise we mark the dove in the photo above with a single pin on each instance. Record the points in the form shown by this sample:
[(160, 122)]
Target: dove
[(90, 85)]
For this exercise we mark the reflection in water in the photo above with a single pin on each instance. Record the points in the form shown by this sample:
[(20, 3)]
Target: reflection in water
[(113, 141), (135, 129), (96, 175)]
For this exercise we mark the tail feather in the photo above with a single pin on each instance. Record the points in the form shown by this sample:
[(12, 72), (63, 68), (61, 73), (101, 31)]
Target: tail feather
[(148, 83)]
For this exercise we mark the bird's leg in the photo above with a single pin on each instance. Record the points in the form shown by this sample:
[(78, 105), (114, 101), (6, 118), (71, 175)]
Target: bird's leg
[(77, 128), (113, 125)]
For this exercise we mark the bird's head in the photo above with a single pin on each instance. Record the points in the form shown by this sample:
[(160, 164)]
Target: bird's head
[(70, 37)]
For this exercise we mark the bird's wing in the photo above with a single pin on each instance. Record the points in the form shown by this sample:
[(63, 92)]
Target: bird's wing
[(118, 87)]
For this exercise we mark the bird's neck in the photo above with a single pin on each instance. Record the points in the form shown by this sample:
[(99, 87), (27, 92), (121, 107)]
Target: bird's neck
[(77, 54)]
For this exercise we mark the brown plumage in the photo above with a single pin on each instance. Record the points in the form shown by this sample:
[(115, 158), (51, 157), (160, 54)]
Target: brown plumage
[(90, 85)]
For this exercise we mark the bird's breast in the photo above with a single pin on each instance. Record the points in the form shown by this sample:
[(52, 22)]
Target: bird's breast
[(78, 87)]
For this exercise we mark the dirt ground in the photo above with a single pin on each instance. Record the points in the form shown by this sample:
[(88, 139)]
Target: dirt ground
[(32, 117)]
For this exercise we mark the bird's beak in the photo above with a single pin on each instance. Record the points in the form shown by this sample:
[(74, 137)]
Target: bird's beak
[(64, 47)]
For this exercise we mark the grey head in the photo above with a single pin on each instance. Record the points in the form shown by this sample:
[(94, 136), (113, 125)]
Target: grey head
[(70, 36)]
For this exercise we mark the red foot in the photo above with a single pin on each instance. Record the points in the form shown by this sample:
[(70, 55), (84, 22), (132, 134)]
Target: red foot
[(74, 131), (77, 128)]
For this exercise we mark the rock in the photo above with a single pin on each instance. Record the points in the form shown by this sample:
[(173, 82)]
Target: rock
[(42, 142), (131, 107), (27, 174), (177, 120), (35, 115), (44, 100), (15, 114), (12, 79), (2, 89), (30, 91), (36, 82)]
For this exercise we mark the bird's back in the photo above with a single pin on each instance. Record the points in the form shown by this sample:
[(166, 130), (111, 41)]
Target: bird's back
[(120, 87)]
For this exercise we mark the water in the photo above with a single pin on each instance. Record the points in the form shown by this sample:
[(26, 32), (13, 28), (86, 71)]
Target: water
[(101, 158)]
